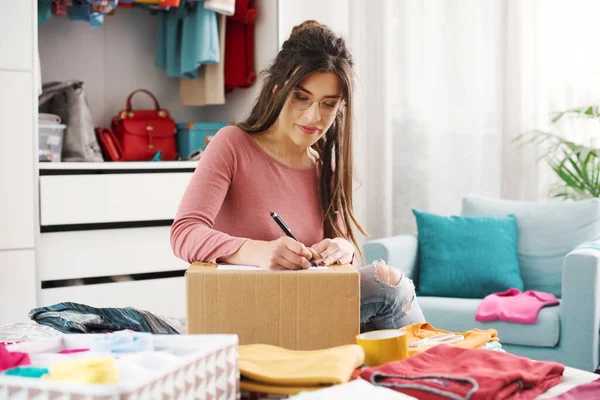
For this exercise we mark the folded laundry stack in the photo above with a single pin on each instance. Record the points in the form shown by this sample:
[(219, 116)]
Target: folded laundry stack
[(274, 370)]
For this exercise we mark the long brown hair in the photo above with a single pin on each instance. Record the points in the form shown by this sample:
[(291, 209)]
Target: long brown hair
[(313, 47)]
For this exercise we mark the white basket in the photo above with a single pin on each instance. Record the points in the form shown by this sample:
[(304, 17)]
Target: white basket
[(51, 141), (208, 370)]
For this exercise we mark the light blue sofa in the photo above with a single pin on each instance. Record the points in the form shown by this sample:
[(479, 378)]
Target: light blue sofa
[(559, 252)]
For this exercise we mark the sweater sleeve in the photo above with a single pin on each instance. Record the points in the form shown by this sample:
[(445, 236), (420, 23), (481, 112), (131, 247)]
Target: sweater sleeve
[(192, 235)]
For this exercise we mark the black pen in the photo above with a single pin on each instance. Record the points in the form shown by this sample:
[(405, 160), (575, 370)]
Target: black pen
[(288, 232)]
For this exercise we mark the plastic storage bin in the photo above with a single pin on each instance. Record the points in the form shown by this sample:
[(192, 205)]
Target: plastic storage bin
[(50, 142), (192, 136)]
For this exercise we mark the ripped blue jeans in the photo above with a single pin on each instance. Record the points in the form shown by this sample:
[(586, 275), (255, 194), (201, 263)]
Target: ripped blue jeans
[(385, 304)]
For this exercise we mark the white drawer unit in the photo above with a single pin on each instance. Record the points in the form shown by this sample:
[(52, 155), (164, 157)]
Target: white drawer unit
[(105, 237), (107, 252), (159, 296), (110, 198)]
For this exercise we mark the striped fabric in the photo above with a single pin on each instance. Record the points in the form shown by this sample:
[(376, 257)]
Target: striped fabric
[(80, 318)]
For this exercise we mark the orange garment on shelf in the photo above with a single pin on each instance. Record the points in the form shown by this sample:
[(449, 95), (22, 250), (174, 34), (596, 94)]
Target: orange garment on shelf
[(474, 339)]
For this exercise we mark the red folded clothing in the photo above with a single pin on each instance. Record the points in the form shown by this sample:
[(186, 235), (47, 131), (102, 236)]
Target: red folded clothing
[(446, 371)]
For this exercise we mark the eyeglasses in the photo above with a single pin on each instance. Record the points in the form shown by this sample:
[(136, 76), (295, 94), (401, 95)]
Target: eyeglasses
[(328, 107)]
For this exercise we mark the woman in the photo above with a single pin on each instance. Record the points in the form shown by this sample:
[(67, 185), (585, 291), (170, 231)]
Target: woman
[(292, 156)]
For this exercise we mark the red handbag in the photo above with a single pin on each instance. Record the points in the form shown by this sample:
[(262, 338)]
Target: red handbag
[(142, 133), (111, 149)]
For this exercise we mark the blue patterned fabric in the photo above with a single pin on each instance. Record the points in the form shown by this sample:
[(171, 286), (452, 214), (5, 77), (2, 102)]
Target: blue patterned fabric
[(80, 318), (467, 257)]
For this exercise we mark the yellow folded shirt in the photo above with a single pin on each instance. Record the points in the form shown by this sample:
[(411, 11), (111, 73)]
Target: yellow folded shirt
[(475, 338), (273, 369), (99, 369)]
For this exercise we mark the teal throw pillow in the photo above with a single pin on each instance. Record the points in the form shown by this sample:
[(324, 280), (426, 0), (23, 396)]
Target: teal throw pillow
[(468, 257)]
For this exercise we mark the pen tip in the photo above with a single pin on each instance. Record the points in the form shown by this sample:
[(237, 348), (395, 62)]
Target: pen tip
[(273, 214)]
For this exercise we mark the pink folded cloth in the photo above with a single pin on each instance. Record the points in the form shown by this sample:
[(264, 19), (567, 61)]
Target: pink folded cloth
[(587, 391), (514, 306), (72, 351), (10, 359)]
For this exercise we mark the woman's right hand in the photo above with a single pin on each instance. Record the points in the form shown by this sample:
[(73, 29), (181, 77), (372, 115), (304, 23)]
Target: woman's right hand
[(285, 253)]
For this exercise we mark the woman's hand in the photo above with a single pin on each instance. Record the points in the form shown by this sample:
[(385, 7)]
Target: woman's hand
[(334, 251), (286, 253)]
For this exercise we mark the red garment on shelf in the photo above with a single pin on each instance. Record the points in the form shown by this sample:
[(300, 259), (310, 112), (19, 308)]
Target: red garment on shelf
[(239, 46)]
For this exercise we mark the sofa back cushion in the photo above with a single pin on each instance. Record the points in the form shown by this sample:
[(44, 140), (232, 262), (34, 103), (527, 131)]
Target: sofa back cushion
[(547, 232)]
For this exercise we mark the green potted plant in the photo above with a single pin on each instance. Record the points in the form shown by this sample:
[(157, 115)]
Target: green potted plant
[(577, 165)]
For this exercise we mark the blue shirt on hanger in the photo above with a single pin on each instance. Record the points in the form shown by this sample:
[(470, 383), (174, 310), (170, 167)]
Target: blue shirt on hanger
[(187, 38)]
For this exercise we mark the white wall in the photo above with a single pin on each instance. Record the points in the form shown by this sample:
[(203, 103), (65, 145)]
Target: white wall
[(117, 58), (17, 152), (333, 13)]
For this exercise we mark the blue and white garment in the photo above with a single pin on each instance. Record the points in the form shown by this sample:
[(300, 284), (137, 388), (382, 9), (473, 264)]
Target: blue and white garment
[(188, 37), (81, 318)]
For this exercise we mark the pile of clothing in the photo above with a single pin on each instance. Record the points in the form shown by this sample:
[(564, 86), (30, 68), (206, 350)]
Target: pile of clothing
[(473, 368)]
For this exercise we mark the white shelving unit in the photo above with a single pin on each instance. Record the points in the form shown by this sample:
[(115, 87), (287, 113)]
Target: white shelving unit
[(133, 165), (63, 225)]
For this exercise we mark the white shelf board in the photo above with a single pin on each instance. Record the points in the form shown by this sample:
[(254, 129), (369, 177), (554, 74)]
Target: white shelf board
[(118, 165)]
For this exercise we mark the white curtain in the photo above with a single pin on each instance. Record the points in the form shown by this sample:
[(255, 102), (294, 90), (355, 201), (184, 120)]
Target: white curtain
[(444, 88)]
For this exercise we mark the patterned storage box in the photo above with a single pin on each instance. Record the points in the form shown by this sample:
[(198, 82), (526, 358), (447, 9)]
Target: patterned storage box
[(208, 371)]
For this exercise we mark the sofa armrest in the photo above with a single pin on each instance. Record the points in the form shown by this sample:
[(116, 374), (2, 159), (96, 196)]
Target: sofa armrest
[(580, 306), (398, 251)]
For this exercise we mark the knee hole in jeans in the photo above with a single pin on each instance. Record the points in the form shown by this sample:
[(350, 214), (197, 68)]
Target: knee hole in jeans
[(386, 274)]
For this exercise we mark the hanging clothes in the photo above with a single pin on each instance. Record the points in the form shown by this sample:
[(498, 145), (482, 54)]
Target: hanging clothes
[(44, 11), (188, 37), (126, 3), (59, 8), (209, 87), (239, 46), (224, 7), (93, 14)]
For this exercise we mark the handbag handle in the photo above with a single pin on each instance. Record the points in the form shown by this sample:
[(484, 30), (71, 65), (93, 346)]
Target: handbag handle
[(144, 91)]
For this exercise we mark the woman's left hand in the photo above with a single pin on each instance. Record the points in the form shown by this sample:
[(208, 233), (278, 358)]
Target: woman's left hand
[(334, 251)]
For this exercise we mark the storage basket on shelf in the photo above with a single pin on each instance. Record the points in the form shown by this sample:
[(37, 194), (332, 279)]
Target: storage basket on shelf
[(50, 142), (192, 136)]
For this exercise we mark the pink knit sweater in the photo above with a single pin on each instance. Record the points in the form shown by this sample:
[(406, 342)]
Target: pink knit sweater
[(231, 194)]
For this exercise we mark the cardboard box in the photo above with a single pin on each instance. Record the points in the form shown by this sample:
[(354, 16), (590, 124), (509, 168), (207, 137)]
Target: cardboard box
[(297, 310), (208, 370)]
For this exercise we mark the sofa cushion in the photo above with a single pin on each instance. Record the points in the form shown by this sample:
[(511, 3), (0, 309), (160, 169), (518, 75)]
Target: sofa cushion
[(547, 232), (467, 256), (458, 315)]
